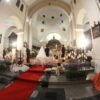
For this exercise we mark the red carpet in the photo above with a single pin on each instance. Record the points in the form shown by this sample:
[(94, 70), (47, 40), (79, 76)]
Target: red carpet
[(30, 76), (22, 88), (37, 69), (96, 81)]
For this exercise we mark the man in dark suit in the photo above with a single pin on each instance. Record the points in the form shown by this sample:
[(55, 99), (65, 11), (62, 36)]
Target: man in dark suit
[(47, 51), (28, 55), (63, 51)]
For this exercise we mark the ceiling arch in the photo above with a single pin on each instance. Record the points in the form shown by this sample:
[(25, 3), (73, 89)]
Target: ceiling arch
[(17, 22), (10, 30), (11, 24), (80, 16), (45, 22), (44, 3)]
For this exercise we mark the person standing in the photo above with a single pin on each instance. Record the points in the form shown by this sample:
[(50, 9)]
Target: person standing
[(63, 51), (24, 54), (47, 51), (4, 53), (27, 55)]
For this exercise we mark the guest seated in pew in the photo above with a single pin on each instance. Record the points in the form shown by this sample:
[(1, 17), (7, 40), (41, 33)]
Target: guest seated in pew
[(19, 67)]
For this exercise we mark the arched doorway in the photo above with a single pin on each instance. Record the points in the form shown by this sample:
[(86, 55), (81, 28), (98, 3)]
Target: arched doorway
[(87, 32), (12, 40), (13, 32), (81, 41)]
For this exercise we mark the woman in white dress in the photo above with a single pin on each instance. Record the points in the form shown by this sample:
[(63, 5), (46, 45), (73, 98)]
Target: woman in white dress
[(41, 57)]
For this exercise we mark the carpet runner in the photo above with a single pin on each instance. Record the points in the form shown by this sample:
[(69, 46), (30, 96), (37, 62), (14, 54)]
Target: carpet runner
[(23, 87), (37, 69), (30, 76)]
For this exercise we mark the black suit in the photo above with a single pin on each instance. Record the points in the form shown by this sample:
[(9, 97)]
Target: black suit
[(63, 51), (28, 55), (47, 51)]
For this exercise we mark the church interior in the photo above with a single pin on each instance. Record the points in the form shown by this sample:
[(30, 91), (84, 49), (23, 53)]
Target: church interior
[(49, 50)]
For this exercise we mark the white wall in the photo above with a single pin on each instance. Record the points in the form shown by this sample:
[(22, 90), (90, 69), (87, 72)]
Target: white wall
[(93, 14), (10, 15), (50, 25)]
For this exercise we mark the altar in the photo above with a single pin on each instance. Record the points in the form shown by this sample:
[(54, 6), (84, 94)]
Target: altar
[(54, 43)]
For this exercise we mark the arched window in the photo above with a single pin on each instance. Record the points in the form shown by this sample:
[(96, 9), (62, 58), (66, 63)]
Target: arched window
[(18, 3), (22, 7)]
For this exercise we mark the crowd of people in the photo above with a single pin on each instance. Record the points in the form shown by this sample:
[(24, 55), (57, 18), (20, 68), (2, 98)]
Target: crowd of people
[(56, 53), (70, 54), (18, 59), (45, 56), (18, 55)]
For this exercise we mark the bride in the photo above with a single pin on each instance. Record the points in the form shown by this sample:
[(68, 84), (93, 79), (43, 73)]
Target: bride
[(41, 57)]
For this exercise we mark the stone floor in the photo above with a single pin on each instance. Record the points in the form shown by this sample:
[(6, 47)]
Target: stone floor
[(75, 90), (61, 79), (48, 94)]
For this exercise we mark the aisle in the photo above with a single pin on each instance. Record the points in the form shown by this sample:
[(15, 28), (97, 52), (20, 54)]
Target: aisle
[(24, 86)]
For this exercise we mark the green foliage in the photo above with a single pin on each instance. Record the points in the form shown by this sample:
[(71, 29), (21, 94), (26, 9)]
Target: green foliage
[(75, 75)]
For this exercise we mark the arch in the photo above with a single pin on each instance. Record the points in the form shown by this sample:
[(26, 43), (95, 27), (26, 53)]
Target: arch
[(53, 7), (80, 16), (79, 28), (10, 30), (17, 21), (86, 23), (44, 3), (14, 25), (52, 25), (87, 32)]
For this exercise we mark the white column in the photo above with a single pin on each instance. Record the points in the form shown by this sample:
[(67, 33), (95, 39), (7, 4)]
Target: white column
[(20, 40), (30, 35)]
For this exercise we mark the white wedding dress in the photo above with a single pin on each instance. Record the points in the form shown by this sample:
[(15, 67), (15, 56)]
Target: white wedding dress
[(41, 58)]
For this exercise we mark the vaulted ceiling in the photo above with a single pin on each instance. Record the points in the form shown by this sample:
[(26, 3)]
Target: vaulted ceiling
[(30, 2), (49, 18)]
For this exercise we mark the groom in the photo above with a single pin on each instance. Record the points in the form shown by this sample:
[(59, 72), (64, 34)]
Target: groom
[(47, 51)]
